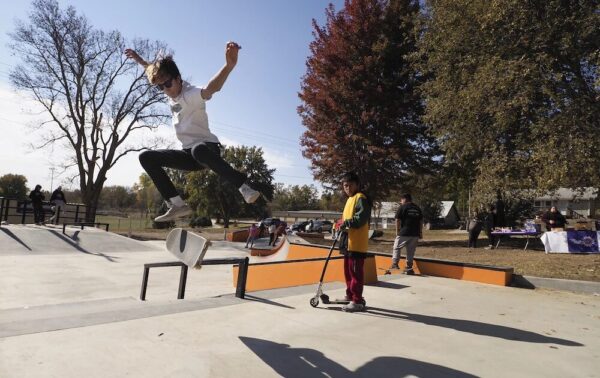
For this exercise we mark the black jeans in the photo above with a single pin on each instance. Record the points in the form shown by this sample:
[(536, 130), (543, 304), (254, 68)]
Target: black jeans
[(201, 156)]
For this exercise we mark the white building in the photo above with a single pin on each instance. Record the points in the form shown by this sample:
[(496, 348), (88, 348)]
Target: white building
[(570, 202)]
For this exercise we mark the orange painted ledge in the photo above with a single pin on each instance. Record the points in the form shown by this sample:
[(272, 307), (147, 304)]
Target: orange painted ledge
[(305, 263)]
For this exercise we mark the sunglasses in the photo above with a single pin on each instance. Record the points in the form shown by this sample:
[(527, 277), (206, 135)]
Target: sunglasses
[(166, 84)]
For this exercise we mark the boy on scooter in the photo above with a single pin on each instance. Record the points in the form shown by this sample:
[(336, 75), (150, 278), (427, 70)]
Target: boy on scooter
[(354, 240)]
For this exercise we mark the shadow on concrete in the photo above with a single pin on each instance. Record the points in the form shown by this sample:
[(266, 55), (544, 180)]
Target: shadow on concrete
[(15, 237), (78, 247), (470, 326), (304, 362), (388, 285), (266, 301)]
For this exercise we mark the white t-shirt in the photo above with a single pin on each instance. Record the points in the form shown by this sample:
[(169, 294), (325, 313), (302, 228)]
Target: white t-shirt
[(189, 117)]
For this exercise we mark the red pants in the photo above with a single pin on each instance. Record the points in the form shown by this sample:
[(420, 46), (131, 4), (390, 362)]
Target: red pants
[(355, 277)]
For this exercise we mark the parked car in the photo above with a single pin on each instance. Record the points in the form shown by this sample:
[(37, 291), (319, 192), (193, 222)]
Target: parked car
[(299, 226), (268, 221), (322, 225)]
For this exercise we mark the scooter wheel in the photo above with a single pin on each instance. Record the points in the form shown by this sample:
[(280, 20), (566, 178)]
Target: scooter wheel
[(325, 298), (314, 301)]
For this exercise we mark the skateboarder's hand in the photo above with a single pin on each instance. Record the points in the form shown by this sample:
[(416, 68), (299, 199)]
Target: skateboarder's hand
[(231, 53), (131, 54)]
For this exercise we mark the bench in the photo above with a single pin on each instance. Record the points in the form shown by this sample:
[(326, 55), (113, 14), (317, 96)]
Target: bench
[(82, 224), (240, 290)]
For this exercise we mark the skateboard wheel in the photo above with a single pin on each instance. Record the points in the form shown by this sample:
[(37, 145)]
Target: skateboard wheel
[(314, 301)]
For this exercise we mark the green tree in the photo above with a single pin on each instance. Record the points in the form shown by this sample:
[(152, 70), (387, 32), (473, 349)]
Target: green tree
[(212, 196), (513, 94), (360, 103), (148, 199), (116, 197), (295, 197), (13, 186)]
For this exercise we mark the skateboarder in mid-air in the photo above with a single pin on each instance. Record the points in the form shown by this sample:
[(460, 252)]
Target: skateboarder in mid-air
[(201, 148)]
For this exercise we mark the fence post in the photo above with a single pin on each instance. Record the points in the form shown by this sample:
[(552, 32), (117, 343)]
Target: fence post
[(1, 208), (24, 211), (76, 213), (6, 210)]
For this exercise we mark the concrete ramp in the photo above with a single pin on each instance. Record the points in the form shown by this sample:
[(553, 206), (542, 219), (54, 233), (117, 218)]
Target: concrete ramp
[(31, 239)]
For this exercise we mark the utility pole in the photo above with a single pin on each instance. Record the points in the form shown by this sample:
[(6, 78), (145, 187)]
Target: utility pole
[(52, 179)]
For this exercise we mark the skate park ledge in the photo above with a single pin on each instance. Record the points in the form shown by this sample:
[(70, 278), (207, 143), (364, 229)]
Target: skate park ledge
[(304, 264)]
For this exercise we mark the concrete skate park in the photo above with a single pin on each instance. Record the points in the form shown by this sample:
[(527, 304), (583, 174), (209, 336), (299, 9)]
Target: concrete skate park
[(70, 307)]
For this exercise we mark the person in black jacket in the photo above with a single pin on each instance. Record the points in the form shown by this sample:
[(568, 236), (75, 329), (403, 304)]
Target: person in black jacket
[(489, 223), (475, 227), (37, 197), (554, 219), (58, 199)]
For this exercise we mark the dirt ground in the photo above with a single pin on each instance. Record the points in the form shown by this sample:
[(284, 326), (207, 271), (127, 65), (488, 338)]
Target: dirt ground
[(452, 245)]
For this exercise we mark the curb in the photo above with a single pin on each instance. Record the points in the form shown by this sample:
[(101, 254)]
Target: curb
[(530, 282)]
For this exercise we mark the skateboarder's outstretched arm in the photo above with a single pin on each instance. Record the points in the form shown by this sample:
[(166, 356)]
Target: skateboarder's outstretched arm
[(132, 54), (216, 83)]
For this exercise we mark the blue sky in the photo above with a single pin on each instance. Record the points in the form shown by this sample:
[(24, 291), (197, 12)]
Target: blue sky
[(257, 106)]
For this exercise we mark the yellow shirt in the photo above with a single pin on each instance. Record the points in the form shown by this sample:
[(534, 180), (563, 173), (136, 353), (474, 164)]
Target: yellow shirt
[(358, 238)]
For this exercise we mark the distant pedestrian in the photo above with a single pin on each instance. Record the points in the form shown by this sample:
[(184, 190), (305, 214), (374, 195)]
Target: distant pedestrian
[(272, 230), (475, 227), (37, 198), (409, 229), (489, 224), (58, 200), (252, 234)]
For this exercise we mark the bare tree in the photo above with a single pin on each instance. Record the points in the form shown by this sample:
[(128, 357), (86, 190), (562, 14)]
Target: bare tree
[(95, 99)]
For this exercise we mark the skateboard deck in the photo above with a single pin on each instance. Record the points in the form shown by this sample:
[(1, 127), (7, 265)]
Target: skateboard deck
[(188, 247)]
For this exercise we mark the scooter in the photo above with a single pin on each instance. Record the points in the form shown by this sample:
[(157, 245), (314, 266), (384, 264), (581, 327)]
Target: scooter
[(314, 301)]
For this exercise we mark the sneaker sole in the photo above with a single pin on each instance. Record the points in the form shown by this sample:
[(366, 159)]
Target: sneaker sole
[(180, 215)]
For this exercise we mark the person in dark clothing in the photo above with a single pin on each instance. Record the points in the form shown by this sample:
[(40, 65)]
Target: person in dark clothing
[(36, 196), (489, 219), (58, 199), (499, 214), (475, 227), (554, 219), (409, 229)]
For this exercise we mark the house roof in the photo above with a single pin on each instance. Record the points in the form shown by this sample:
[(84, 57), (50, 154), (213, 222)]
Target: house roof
[(446, 208), (569, 194)]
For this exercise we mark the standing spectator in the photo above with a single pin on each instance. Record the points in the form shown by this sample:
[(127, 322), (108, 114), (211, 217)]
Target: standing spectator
[(409, 229), (252, 234), (309, 226), (554, 219), (475, 226), (280, 231), (59, 201), (272, 229), (355, 241), (499, 214), (37, 197), (489, 224)]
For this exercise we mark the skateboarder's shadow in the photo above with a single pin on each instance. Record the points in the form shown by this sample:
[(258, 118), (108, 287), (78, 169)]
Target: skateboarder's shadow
[(305, 362), (469, 326)]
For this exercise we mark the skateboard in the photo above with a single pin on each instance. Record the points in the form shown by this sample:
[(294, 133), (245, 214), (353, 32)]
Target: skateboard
[(188, 247)]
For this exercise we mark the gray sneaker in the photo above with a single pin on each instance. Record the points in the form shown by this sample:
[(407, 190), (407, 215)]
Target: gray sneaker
[(354, 307), (174, 212), (250, 195), (409, 272)]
